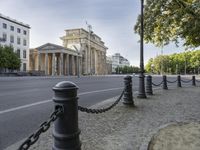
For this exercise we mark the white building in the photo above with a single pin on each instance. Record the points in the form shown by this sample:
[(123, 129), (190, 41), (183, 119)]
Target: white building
[(16, 34), (118, 61)]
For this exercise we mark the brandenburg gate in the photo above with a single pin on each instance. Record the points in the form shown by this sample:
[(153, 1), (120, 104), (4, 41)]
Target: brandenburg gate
[(82, 52), (55, 60)]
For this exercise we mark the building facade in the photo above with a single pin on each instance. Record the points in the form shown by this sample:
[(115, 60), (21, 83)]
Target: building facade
[(109, 65), (118, 61), (16, 34), (53, 60), (91, 48)]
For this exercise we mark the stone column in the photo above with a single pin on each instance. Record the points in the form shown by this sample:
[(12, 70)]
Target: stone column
[(61, 63), (73, 65), (80, 65), (53, 64), (46, 64), (104, 63), (100, 63), (77, 65), (92, 61), (96, 61), (39, 62), (67, 64), (86, 60)]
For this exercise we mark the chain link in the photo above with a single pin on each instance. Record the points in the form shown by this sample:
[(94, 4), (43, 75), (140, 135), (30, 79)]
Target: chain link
[(43, 128), (186, 81), (197, 80), (97, 111), (172, 81), (157, 84)]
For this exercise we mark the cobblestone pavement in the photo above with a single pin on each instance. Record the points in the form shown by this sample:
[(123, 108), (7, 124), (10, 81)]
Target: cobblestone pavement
[(131, 128)]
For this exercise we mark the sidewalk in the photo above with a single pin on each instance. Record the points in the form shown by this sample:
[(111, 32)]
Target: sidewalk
[(131, 128)]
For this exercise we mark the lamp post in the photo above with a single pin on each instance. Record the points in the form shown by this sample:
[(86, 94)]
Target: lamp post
[(89, 47), (141, 90)]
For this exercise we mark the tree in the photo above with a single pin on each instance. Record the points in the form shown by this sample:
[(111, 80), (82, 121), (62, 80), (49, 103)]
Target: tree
[(9, 59), (149, 65), (175, 63), (171, 20), (126, 69)]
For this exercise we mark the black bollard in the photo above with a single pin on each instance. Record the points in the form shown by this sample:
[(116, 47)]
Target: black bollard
[(128, 94), (179, 81), (193, 81), (165, 82), (149, 90), (66, 131)]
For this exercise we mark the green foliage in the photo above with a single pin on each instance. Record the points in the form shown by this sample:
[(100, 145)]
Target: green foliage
[(175, 63), (170, 21), (9, 59), (126, 70)]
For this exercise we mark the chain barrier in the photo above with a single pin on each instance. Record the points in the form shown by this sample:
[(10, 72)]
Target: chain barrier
[(43, 128), (97, 111), (197, 80), (186, 81), (172, 81), (157, 84)]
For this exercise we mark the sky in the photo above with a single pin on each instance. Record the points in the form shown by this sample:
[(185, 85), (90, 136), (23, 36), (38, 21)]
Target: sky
[(112, 20)]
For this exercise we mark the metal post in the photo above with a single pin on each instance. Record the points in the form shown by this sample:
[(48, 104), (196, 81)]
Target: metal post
[(149, 90), (165, 82), (179, 81), (193, 81), (128, 95), (66, 131), (141, 90)]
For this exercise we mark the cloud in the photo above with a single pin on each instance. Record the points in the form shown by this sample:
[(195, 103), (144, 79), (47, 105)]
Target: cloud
[(112, 20)]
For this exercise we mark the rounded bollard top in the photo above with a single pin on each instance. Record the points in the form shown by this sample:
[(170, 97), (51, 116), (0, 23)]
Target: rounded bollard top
[(127, 77), (65, 85), (149, 76)]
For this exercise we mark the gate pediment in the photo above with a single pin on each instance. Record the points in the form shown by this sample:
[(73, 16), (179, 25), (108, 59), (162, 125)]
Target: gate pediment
[(50, 46)]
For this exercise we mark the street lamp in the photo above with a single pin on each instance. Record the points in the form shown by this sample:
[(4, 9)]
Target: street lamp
[(141, 90), (89, 47)]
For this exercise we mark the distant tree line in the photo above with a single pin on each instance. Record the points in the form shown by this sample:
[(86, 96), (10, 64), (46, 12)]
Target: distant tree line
[(188, 62), (9, 60), (127, 70)]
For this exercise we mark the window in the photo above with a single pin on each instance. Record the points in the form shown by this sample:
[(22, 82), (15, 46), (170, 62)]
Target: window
[(11, 39), (4, 37), (4, 26), (24, 53), (18, 30), (18, 53), (24, 66), (24, 32), (18, 40), (24, 42), (12, 28)]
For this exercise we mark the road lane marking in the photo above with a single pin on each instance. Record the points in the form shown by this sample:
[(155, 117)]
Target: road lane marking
[(19, 92), (24, 106), (98, 91), (47, 101)]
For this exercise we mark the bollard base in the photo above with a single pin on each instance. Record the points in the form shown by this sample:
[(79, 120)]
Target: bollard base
[(141, 96), (128, 103), (149, 93)]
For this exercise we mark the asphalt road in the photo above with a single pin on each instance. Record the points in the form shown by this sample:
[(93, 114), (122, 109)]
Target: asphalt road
[(25, 102)]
